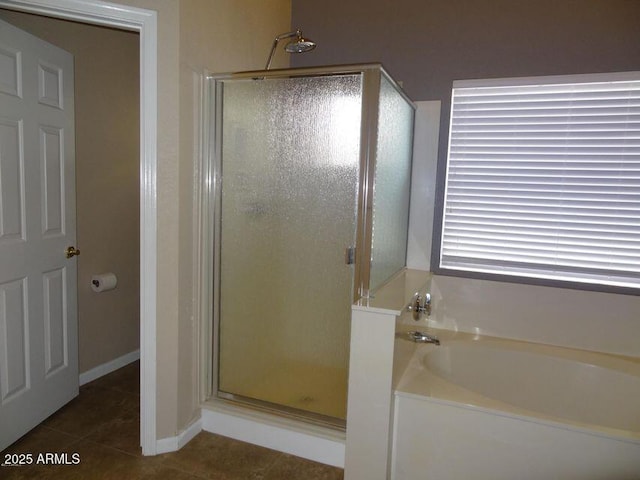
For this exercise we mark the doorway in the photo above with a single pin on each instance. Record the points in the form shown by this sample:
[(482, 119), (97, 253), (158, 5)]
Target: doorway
[(107, 216), (144, 22), (107, 182)]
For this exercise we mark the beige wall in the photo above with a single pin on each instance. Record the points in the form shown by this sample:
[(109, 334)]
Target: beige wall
[(596, 321), (107, 185), (216, 36), (168, 319), (193, 36)]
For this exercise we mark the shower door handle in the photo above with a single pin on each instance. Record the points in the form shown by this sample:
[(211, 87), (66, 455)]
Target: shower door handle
[(350, 255)]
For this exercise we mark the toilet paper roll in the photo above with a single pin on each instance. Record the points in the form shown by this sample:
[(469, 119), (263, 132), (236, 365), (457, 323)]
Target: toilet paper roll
[(103, 282)]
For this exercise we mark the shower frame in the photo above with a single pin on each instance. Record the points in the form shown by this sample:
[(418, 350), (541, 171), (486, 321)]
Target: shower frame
[(209, 215)]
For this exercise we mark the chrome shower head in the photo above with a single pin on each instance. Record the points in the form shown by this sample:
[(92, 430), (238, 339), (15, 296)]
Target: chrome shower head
[(299, 45)]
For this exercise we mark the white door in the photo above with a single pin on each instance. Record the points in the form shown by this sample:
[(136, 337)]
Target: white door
[(38, 307)]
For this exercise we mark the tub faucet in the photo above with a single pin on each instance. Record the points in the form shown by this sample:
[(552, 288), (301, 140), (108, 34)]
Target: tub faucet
[(420, 305), (421, 337)]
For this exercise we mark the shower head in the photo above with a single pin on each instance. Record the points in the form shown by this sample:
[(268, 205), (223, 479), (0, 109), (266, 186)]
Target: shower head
[(299, 45)]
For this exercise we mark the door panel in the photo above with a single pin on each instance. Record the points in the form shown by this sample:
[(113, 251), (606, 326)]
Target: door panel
[(14, 335), (50, 85), (11, 181), (55, 321), (290, 156), (10, 69), (52, 160), (38, 307)]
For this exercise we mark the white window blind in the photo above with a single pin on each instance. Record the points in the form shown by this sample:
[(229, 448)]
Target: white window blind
[(543, 178)]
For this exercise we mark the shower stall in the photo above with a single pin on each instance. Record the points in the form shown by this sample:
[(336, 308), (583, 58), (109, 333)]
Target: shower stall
[(310, 183)]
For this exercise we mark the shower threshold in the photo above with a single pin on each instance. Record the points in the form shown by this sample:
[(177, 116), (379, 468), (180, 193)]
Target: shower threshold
[(300, 415), (289, 432)]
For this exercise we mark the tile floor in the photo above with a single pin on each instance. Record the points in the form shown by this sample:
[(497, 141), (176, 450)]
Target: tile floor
[(101, 425)]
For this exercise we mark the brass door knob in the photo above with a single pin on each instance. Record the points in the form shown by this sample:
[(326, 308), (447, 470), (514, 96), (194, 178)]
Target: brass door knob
[(71, 252)]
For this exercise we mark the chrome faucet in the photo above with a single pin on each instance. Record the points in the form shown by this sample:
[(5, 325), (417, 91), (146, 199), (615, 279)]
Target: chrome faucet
[(420, 305), (421, 337)]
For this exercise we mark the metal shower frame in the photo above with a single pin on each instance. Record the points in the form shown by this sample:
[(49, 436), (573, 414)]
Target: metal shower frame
[(372, 75)]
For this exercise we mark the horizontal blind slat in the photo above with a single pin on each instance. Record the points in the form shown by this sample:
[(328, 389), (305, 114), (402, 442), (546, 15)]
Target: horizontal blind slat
[(629, 249)]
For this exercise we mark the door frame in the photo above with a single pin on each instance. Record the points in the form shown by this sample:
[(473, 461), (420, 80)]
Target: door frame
[(144, 22)]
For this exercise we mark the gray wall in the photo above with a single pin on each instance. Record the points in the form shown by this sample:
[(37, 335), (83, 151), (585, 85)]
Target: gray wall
[(426, 44)]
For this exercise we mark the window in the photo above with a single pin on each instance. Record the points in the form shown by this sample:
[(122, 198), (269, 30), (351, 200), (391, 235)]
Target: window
[(543, 178)]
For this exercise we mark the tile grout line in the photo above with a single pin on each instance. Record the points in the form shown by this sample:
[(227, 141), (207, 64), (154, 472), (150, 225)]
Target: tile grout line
[(167, 463), (112, 448), (91, 432), (273, 463)]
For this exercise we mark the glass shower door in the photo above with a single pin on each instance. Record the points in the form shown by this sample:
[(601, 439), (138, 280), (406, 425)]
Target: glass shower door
[(289, 164)]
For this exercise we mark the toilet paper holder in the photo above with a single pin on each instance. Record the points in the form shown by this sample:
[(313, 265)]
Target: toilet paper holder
[(104, 282)]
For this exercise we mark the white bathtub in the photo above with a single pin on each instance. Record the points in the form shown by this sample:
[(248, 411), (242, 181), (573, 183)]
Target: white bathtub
[(495, 409)]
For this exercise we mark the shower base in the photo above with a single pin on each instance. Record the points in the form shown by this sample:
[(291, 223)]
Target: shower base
[(315, 442), (278, 410), (309, 392)]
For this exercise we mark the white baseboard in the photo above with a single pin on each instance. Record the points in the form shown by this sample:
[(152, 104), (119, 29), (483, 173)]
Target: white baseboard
[(173, 444), (307, 441), (105, 368)]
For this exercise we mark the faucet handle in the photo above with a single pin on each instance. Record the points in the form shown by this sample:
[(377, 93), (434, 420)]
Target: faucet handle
[(414, 306), (426, 304), (419, 305)]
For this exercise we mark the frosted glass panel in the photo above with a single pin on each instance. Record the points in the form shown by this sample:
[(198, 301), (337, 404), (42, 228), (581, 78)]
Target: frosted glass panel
[(392, 185), (290, 162)]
